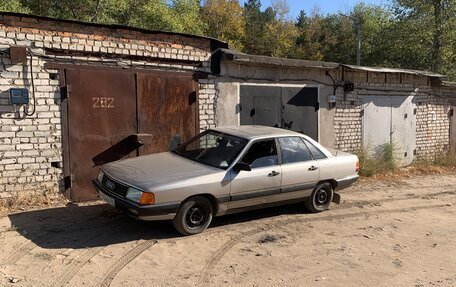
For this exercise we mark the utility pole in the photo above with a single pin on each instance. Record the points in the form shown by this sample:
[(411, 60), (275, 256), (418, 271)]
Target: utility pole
[(358, 24), (358, 42)]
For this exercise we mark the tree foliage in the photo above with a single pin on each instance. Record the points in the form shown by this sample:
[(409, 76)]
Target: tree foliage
[(224, 20), (13, 6), (431, 26), (411, 34)]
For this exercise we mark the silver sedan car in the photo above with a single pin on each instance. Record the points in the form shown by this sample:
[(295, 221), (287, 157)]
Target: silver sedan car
[(226, 170)]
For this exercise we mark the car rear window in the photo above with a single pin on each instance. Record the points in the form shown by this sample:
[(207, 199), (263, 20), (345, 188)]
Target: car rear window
[(294, 150), (317, 153)]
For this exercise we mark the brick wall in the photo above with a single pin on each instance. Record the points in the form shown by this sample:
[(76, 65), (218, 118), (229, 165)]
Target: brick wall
[(432, 120), (207, 101), (433, 124), (29, 144)]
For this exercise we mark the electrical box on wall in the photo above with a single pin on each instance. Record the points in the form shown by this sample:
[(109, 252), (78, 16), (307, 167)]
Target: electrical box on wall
[(19, 96), (18, 54)]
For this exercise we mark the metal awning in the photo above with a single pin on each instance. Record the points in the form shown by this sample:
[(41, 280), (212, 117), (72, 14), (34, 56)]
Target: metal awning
[(242, 58), (394, 70)]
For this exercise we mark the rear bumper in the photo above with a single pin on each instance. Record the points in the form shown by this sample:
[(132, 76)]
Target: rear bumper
[(346, 182), (143, 212)]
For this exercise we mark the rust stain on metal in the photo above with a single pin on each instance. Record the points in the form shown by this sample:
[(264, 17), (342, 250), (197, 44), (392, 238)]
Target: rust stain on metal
[(115, 114), (166, 108), (101, 114)]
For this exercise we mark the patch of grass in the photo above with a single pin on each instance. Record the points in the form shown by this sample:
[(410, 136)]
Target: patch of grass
[(442, 159), (21, 203), (382, 160), (384, 165), (447, 158)]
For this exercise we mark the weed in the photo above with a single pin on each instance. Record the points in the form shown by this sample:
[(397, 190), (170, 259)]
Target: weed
[(381, 160), (445, 158), (388, 156)]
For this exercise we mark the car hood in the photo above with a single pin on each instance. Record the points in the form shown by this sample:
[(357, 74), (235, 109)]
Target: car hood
[(150, 171)]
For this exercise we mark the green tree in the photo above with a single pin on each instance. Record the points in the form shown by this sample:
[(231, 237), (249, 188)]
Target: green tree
[(253, 41), (375, 23), (428, 29), (280, 32), (224, 20), (175, 15), (81, 10), (306, 46), (13, 6), (271, 32)]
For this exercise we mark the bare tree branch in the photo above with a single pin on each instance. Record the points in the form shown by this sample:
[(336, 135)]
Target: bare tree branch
[(95, 15)]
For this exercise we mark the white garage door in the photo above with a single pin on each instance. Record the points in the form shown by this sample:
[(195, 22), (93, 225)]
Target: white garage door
[(390, 120)]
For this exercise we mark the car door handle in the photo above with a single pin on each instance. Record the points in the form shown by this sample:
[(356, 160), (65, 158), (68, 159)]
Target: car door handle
[(312, 168), (273, 173)]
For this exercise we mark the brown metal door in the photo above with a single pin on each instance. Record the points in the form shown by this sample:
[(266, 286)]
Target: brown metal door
[(167, 105), (101, 116)]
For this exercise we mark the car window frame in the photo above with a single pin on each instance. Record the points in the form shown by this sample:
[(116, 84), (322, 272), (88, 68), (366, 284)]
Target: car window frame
[(248, 145), (307, 143), (296, 162)]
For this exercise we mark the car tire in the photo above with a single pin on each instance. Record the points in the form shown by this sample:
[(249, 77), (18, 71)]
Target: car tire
[(193, 216), (321, 197)]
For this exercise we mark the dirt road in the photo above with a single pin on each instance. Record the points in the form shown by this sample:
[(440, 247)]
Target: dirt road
[(393, 233)]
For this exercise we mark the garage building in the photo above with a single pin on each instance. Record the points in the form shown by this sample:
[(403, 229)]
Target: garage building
[(75, 95)]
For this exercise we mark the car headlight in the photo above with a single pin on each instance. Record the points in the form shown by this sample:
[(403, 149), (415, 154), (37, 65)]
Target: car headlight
[(138, 196), (100, 176), (134, 194)]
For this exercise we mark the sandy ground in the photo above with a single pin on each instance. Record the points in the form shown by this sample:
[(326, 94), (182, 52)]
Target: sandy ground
[(384, 233)]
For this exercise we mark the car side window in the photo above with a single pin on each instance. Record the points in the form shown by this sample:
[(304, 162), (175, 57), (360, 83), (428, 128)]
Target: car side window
[(261, 153), (294, 150), (317, 153)]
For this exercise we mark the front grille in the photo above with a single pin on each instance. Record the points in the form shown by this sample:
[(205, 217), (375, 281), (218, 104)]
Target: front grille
[(114, 186)]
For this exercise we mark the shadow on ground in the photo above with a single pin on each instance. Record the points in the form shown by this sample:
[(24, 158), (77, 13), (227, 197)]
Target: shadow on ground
[(101, 225)]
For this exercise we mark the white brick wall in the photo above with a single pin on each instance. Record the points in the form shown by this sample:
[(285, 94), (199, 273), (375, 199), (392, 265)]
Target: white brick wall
[(432, 121), (207, 94), (28, 144)]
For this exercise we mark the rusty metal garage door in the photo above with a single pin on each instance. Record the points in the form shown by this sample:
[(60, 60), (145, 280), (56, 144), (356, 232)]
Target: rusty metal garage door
[(167, 106), (108, 111)]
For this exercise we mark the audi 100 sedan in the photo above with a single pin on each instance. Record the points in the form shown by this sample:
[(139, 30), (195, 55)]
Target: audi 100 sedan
[(226, 170)]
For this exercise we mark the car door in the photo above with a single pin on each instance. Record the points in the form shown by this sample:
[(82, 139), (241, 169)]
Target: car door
[(300, 171), (262, 183)]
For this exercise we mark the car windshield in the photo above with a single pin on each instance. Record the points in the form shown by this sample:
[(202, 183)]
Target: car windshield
[(212, 148)]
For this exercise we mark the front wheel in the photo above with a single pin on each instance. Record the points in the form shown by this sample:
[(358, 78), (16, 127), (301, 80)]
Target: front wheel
[(193, 216), (320, 198)]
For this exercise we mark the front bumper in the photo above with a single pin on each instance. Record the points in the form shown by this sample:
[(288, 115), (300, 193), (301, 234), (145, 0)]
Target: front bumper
[(143, 212)]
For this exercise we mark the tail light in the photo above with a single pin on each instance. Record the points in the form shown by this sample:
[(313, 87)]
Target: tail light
[(357, 166)]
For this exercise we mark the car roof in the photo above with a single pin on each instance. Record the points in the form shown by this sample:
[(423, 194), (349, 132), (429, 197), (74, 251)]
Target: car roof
[(255, 131)]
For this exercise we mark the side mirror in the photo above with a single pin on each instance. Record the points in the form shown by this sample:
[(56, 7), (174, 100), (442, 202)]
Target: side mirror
[(242, 166)]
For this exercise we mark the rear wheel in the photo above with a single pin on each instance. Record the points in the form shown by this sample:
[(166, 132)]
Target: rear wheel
[(320, 198), (193, 216)]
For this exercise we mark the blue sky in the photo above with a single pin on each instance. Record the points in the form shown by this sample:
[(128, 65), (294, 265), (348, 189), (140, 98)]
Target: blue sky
[(324, 6)]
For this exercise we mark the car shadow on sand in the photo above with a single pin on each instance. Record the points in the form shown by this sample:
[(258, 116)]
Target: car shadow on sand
[(79, 227)]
